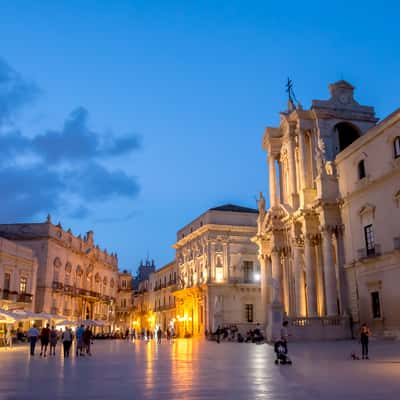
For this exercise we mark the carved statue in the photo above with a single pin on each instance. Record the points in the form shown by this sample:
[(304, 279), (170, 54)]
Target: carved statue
[(320, 155), (261, 211)]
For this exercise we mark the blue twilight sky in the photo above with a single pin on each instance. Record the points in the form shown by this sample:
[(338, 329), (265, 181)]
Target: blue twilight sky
[(131, 118)]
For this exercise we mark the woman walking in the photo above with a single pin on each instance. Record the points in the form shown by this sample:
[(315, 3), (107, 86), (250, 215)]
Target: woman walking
[(67, 341), (53, 341), (365, 333)]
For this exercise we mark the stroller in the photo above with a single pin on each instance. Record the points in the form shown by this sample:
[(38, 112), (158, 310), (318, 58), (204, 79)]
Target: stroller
[(281, 353)]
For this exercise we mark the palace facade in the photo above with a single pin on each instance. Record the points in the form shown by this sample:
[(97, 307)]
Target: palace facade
[(309, 238), (218, 272), (369, 187), (75, 279), (18, 272)]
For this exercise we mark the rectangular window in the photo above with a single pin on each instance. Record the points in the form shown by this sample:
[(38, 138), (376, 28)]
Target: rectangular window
[(249, 312), (369, 239), (248, 271), (22, 284), (7, 280), (376, 305)]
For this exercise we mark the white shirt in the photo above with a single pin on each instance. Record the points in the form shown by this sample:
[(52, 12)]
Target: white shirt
[(67, 337)]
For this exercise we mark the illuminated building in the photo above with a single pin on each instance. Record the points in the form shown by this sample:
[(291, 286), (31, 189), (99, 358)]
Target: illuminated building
[(75, 279), (328, 246), (124, 301), (218, 271), (18, 271)]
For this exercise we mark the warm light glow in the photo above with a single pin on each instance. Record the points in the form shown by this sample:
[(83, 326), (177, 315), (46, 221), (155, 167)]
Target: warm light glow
[(219, 274)]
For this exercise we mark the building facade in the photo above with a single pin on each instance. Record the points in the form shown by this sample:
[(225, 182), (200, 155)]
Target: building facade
[(305, 239), (369, 186), (218, 272), (18, 272), (75, 279), (163, 283), (124, 302)]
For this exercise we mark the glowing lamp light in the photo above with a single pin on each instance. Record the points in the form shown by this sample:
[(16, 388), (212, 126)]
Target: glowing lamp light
[(257, 277)]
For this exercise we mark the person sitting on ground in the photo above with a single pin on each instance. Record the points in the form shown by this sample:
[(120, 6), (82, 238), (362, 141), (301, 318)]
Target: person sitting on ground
[(240, 338)]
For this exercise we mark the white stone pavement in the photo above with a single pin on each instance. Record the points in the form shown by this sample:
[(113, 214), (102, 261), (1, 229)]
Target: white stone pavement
[(196, 369)]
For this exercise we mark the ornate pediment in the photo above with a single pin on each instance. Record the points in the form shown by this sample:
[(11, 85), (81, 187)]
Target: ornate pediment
[(367, 208)]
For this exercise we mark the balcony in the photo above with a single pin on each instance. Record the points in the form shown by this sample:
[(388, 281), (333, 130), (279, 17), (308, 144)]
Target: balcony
[(9, 294), (69, 289), (369, 253), (57, 286), (25, 298), (164, 307), (67, 312)]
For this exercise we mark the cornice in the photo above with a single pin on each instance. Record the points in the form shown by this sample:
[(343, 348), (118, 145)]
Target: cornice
[(214, 227)]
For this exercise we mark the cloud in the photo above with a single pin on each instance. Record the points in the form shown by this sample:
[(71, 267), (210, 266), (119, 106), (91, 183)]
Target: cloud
[(27, 191), (57, 170), (124, 218), (12, 144), (15, 92), (76, 142), (93, 182)]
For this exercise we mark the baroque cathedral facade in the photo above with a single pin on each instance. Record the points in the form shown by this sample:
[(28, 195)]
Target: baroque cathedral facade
[(305, 237)]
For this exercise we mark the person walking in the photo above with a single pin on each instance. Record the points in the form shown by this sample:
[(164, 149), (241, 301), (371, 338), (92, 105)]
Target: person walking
[(53, 340), (79, 341), (365, 333), (159, 334), (9, 336), (33, 335), (44, 339), (67, 341), (87, 337)]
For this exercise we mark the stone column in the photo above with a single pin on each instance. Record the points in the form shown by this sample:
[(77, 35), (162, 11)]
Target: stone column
[(310, 278), (329, 272), (292, 173), (341, 275), (302, 159), (276, 277), (264, 286), (285, 284), (299, 282), (273, 199)]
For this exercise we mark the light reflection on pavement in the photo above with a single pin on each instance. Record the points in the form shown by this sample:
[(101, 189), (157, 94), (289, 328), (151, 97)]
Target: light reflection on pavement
[(196, 369)]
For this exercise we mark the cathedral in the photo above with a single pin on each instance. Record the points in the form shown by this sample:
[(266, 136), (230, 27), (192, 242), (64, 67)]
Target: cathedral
[(330, 191)]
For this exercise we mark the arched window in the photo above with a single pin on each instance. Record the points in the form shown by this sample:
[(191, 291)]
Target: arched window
[(361, 170), (396, 147), (347, 134)]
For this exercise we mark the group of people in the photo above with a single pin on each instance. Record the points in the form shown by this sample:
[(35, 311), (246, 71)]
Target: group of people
[(51, 337), (231, 334), (158, 334)]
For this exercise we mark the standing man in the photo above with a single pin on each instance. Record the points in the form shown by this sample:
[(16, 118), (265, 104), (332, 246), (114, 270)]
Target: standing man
[(365, 333), (44, 339), (79, 341), (33, 335)]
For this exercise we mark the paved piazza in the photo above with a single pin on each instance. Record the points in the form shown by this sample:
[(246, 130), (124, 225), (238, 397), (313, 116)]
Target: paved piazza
[(195, 369)]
